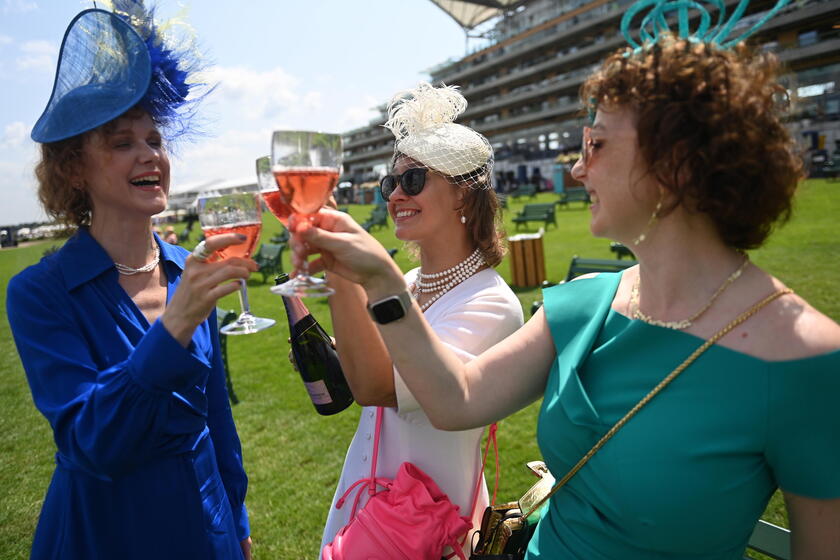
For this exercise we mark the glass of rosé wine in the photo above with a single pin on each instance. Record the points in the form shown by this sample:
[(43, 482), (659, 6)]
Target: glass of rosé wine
[(306, 166), (270, 193), (236, 210)]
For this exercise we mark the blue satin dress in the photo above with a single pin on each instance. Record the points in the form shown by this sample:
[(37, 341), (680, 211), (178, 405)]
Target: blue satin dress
[(149, 463), (690, 474)]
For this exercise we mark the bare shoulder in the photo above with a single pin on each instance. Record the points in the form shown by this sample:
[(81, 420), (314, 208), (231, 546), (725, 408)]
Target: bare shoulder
[(816, 330), (806, 331)]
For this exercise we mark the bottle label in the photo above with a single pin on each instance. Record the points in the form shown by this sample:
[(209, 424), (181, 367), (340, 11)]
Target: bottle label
[(318, 392)]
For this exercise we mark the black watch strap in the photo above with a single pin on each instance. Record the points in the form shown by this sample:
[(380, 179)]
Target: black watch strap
[(390, 309)]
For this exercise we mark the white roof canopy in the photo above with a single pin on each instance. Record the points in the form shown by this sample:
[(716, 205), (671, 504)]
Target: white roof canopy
[(470, 13)]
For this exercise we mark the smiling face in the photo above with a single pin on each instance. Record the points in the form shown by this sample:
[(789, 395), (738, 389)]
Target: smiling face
[(125, 169), (431, 214), (613, 172)]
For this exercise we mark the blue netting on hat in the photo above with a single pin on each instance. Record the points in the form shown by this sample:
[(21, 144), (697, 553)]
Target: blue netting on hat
[(103, 70)]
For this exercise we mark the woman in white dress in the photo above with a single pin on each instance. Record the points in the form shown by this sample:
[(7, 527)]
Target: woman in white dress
[(440, 199)]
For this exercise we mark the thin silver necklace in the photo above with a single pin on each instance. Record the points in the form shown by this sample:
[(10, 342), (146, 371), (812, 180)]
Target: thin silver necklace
[(126, 270)]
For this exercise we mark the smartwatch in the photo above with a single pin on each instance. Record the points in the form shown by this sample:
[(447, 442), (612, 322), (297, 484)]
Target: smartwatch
[(390, 309)]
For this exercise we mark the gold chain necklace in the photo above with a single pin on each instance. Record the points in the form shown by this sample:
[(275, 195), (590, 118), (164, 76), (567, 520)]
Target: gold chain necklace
[(685, 323)]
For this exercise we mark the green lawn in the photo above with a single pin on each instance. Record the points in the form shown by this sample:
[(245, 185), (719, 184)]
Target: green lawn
[(293, 455)]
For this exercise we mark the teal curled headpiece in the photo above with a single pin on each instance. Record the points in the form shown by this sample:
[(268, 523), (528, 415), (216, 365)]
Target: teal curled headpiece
[(655, 22), (111, 61)]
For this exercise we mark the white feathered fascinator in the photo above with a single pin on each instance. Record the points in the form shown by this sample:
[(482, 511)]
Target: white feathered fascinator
[(421, 120)]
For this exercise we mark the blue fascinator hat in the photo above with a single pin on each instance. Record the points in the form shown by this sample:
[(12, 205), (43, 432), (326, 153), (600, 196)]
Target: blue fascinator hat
[(110, 62)]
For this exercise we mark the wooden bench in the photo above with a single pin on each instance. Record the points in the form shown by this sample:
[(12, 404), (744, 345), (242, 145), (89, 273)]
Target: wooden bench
[(536, 213), (224, 317), (378, 218), (573, 195), (269, 257), (524, 190)]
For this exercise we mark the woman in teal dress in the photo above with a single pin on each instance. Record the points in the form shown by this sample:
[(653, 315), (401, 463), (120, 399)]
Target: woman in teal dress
[(687, 162)]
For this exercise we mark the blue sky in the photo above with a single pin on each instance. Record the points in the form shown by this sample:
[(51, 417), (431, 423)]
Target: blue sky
[(320, 64)]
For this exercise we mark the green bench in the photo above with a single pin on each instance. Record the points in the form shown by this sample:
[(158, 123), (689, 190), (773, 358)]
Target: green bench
[(580, 266), (281, 238), (524, 190), (621, 250), (770, 540), (269, 257), (224, 317), (536, 213), (832, 168), (573, 195), (378, 218)]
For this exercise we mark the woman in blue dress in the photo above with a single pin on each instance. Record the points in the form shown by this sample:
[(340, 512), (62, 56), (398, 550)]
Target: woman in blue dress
[(687, 162), (116, 331)]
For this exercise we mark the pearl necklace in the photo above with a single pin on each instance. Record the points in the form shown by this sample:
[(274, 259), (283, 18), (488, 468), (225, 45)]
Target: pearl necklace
[(131, 271), (441, 282), (685, 323)]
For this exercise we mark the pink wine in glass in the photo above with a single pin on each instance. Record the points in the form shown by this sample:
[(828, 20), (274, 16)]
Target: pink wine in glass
[(306, 189), (250, 230), (281, 210)]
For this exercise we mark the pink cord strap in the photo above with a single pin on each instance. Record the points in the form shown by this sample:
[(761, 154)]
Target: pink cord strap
[(491, 438)]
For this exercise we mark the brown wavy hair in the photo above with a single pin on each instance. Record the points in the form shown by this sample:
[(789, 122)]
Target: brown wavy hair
[(480, 206), (709, 129), (57, 174), (61, 194)]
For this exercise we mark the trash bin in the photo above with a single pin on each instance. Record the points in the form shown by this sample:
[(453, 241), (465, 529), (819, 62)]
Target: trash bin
[(527, 260)]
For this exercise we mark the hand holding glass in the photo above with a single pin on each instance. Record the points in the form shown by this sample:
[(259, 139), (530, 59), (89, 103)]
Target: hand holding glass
[(235, 211), (306, 167)]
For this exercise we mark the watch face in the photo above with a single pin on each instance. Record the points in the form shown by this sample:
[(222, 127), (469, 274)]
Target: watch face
[(388, 310)]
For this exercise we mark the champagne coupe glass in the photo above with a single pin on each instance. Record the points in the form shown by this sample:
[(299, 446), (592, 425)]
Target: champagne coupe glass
[(236, 210), (270, 193), (306, 167)]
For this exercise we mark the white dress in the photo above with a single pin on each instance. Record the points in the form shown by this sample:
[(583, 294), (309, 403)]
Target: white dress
[(470, 318)]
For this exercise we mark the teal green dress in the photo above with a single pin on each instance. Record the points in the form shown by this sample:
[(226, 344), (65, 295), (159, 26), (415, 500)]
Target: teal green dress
[(691, 473)]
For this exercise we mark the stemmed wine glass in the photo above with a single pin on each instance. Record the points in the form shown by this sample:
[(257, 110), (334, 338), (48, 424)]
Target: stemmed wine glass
[(235, 211), (306, 167), (270, 193)]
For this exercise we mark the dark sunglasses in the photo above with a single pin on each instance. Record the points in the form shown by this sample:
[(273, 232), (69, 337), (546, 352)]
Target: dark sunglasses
[(412, 182)]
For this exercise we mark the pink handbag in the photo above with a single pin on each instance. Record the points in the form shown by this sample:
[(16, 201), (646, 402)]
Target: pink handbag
[(410, 518)]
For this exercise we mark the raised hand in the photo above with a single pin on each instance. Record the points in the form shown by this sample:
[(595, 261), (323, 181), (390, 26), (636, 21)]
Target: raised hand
[(203, 283), (346, 249)]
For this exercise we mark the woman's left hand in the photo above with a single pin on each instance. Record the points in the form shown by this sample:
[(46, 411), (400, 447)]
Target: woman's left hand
[(347, 250), (246, 548)]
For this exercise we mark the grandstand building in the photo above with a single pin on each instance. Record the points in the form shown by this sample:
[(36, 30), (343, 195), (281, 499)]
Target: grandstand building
[(522, 83)]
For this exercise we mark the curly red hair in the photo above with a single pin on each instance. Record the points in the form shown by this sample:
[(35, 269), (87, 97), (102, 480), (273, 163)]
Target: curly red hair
[(709, 129), (60, 190)]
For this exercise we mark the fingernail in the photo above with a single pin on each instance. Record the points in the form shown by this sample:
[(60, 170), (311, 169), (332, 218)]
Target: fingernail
[(241, 237)]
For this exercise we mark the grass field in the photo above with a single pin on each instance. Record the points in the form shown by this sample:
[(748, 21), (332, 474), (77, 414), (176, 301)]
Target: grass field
[(293, 456)]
